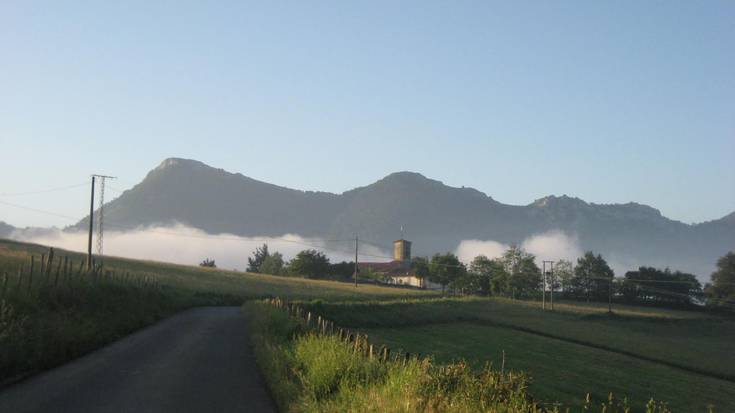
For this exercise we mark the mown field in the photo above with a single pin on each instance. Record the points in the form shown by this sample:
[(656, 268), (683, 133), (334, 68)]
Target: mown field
[(680, 357)]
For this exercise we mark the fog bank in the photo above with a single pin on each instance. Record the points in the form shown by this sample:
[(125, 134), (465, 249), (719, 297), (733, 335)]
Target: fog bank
[(182, 244)]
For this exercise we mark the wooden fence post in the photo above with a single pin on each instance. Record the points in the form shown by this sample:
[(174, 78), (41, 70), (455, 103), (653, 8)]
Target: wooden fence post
[(385, 353), (58, 270), (5, 282), (41, 264), (30, 274), (50, 261), (20, 278)]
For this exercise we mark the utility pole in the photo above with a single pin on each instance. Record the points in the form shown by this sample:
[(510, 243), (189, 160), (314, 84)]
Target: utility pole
[(91, 227), (552, 286), (551, 265), (609, 296), (543, 287), (91, 218), (356, 267)]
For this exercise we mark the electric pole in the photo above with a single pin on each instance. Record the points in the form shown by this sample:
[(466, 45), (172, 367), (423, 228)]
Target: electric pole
[(551, 265), (356, 267), (609, 296), (99, 219), (91, 227), (543, 286), (551, 294)]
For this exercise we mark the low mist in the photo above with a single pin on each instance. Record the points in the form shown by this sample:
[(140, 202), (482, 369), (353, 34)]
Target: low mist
[(182, 244)]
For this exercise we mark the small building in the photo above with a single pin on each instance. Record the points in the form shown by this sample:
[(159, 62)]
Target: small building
[(398, 271)]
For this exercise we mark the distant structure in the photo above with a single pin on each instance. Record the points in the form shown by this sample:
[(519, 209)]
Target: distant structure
[(398, 271), (402, 250)]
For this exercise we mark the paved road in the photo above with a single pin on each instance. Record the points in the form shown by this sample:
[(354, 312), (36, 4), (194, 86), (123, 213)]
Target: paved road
[(197, 361)]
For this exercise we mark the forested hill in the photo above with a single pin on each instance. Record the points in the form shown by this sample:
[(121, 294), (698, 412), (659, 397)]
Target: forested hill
[(437, 217)]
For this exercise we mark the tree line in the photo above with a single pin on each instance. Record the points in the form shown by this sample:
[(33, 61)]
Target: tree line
[(308, 263), (515, 274)]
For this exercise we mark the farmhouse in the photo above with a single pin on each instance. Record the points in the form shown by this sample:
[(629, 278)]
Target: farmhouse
[(398, 271)]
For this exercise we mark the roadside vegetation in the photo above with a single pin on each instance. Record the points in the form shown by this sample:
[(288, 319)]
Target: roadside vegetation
[(681, 357), (60, 310), (320, 369)]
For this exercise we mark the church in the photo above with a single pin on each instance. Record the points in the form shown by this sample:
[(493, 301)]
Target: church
[(398, 271)]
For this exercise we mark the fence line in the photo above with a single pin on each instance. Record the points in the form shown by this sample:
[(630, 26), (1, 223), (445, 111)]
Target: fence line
[(360, 343), (56, 272)]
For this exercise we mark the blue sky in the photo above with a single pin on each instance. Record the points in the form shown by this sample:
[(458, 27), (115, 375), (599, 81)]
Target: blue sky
[(608, 101)]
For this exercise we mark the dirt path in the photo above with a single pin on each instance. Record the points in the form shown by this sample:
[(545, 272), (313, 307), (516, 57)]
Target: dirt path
[(196, 361)]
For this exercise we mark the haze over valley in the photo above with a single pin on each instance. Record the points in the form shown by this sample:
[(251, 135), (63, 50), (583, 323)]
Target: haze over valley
[(176, 211)]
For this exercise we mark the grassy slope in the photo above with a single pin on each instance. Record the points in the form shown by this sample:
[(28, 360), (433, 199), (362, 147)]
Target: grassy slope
[(560, 369), (47, 325), (239, 284)]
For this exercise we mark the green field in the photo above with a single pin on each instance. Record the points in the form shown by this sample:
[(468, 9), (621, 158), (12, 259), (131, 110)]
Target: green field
[(682, 357), (574, 350)]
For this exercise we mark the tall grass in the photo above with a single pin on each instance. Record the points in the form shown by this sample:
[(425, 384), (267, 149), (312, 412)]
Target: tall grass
[(49, 317), (312, 372)]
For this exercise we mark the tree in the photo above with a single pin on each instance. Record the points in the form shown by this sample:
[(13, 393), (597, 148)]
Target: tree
[(563, 274), (342, 270), (207, 263), (481, 272), (499, 279), (310, 264), (272, 264), (420, 266), (723, 280), (592, 277), (651, 285), (524, 276), (259, 255), (445, 269)]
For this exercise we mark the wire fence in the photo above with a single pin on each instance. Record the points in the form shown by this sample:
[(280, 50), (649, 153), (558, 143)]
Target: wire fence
[(54, 272)]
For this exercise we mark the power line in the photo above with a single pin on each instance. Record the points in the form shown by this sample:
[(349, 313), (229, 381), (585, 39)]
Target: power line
[(40, 211), (43, 191)]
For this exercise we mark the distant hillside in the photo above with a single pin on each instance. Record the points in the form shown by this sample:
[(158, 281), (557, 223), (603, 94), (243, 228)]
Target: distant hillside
[(5, 229), (438, 217)]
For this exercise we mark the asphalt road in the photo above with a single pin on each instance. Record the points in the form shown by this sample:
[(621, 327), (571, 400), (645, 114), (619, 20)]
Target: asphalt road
[(196, 361)]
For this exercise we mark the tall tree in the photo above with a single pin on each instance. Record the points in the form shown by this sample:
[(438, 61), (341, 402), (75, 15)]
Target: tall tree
[(420, 266), (272, 264), (723, 280), (310, 264), (259, 255), (592, 277), (563, 274), (524, 276), (481, 271), (445, 269)]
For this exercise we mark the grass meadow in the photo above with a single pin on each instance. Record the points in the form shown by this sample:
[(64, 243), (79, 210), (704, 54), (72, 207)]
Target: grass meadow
[(322, 369), (684, 358), (681, 357)]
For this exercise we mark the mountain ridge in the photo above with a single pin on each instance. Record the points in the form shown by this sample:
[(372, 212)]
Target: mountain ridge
[(437, 217)]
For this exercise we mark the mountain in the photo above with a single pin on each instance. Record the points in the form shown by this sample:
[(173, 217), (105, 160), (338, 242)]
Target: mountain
[(5, 229), (437, 217)]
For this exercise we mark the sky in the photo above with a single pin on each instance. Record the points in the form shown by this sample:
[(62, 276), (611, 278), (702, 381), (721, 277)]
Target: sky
[(606, 101)]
